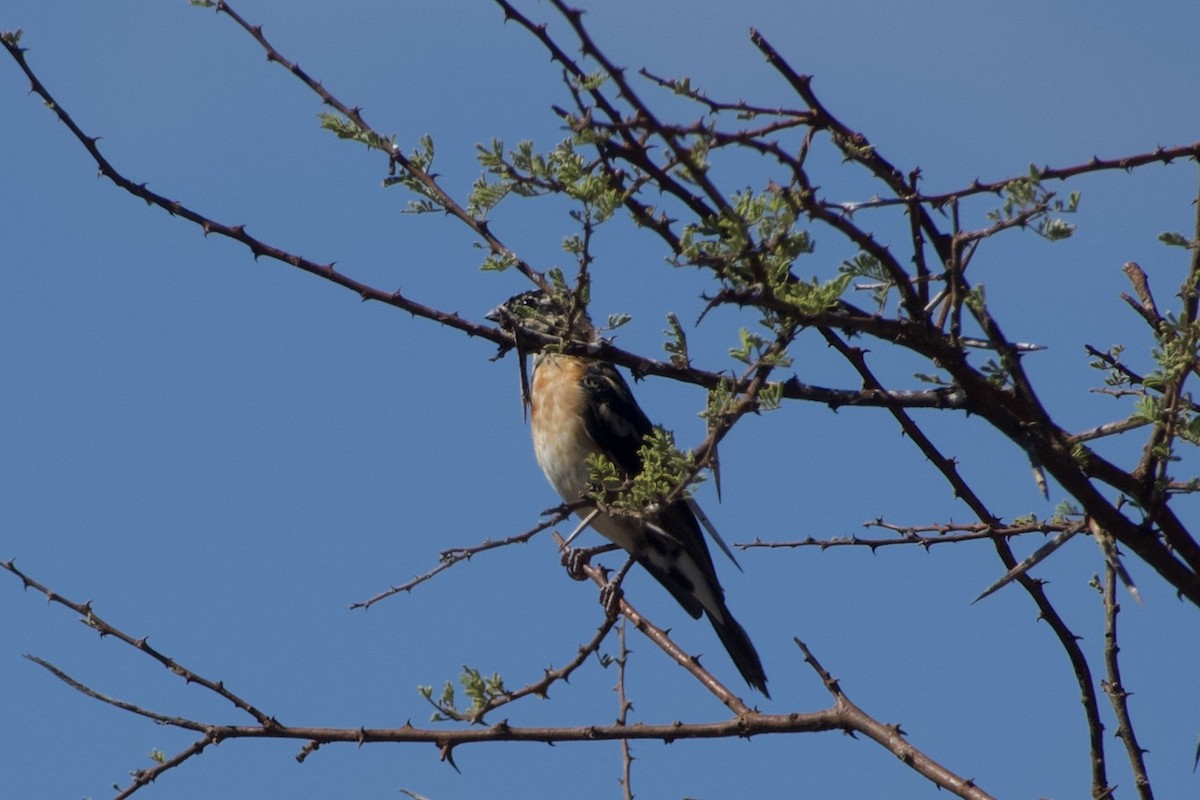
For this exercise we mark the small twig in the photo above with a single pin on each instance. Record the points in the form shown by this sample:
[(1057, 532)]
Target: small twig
[(623, 707), (1034, 558), (161, 719), (457, 555), (1116, 690), (541, 687), (890, 736), (1109, 429), (92, 620), (1160, 155), (913, 535), (1112, 557), (1141, 284), (431, 186), (145, 777)]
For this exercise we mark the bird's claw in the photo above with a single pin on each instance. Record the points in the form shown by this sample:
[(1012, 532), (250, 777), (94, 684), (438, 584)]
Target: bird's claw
[(575, 559), (611, 595)]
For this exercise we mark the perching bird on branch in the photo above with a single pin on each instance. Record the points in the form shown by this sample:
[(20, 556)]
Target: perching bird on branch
[(581, 406)]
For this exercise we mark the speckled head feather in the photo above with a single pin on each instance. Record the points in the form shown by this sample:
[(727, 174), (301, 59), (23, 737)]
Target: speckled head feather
[(562, 316), (537, 311)]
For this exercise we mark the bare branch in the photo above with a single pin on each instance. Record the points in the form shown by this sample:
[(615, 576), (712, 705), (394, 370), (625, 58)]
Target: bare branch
[(1116, 690), (257, 247), (541, 687), (1034, 558), (456, 555), (913, 535), (746, 722), (1141, 284), (94, 621), (144, 777), (132, 708), (666, 644), (623, 709), (892, 737), (354, 114)]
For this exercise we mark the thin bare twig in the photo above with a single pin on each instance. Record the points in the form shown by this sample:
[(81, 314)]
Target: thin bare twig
[(949, 533), (964, 492), (428, 181), (623, 709), (90, 618), (541, 687), (1115, 689), (891, 736), (1032, 560), (746, 722), (457, 555)]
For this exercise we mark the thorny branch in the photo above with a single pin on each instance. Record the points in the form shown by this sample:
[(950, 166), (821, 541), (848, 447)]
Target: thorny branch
[(624, 706), (662, 639), (949, 533), (1034, 588), (94, 621), (745, 723), (1115, 690), (638, 151), (538, 688)]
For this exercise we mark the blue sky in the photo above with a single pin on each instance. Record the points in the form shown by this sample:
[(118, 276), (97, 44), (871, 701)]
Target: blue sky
[(223, 455)]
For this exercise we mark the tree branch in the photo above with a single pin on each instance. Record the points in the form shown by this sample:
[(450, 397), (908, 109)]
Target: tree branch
[(1115, 690)]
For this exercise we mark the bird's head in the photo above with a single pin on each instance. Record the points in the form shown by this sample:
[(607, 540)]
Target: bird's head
[(561, 315), (541, 312)]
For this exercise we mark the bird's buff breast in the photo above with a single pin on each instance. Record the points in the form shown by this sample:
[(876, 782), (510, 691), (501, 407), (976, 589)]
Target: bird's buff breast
[(560, 440)]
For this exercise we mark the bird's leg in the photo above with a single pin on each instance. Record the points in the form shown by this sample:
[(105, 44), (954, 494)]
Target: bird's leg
[(576, 558), (611, 594), (580, 528)]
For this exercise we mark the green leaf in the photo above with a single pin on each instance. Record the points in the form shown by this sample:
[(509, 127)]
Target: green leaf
[(419, 206), (770, 396), (976, 299), (498, 262), (1174, 239), (345, 129), (573, 244), (814, 297), (617, 320), (720, 400), (484, 196), (1055, 230), (676, 343)]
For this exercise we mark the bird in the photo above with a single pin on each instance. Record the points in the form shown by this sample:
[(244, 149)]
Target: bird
[(581, 406)]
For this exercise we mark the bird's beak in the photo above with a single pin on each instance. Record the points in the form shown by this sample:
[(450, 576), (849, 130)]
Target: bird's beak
[(501, 315)]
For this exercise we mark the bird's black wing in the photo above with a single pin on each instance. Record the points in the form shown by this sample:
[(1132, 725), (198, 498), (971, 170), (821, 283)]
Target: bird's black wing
[(674, 549), (613, 418), (619, 428)]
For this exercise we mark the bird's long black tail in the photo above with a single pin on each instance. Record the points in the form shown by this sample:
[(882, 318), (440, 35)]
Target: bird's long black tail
[(688, 594), (740, 649)]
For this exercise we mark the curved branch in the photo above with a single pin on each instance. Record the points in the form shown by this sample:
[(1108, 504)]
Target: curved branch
[(1033, 587), (844, 715), (94, 621)]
